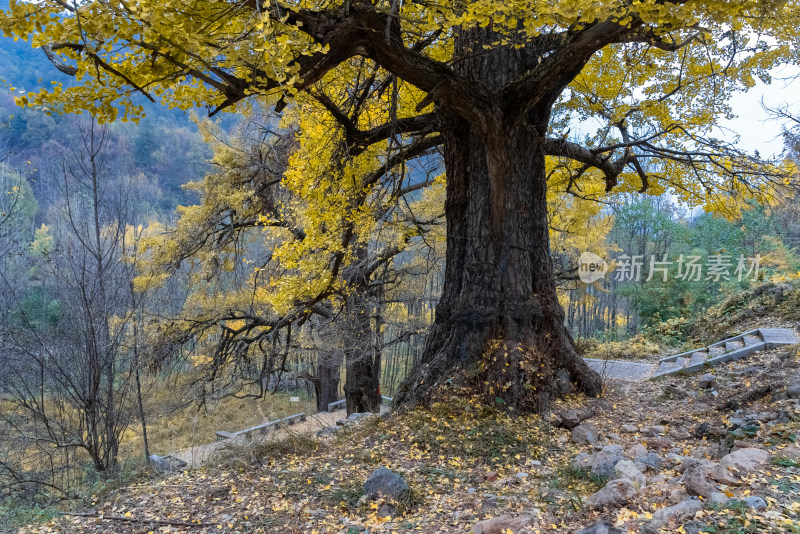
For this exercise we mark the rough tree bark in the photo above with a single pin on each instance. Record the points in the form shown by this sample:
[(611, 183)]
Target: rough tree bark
[(499, 324), (328, 370), (362, 361)]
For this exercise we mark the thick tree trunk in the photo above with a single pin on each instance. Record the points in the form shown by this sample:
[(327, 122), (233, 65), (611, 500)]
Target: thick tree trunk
[(328, 370), (362, 359), (499, 327), (361, 389)]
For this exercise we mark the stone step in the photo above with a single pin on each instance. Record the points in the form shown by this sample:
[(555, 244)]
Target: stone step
[(698, 358), (751, 340), (733, 345), (664, 368), (731, 349)]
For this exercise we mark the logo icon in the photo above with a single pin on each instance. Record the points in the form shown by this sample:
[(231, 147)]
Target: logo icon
[(591, 268)]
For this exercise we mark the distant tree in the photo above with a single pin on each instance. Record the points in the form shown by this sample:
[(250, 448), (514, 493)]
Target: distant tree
[(71, 380)]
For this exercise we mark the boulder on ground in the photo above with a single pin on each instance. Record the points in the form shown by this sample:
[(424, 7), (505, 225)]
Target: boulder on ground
[(674, 391), (571, 418), (615, 493), (601, 528), (604, 461), (563, 383), (718, 498), (697, 481), (745, 460), (790, 453), (677, 514), (383, 482), (585, 434), (502, 524), (707, 381), (651, 460), (756, 503), (166, 464), (627, 469)]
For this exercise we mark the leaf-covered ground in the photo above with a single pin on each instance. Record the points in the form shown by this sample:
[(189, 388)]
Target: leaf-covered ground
[(466, 462)]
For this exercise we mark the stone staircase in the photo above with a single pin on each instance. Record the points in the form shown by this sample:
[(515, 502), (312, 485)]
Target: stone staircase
[(726, 350)]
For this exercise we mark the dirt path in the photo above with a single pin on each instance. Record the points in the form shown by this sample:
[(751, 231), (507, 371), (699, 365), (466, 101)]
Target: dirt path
[(621, 370), (197, 455)]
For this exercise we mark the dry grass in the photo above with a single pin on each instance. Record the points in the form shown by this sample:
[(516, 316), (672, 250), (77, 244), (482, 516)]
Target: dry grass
[(172, 429)]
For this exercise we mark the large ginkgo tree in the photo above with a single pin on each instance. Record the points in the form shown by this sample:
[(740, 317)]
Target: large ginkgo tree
[(624, 92)]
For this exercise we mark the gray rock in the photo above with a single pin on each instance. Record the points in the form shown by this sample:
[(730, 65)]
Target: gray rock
[(386, 510), (713, 470), (563, 383), (583, 460), (383, 482), (752, 370), (675, 392), (615, 493), (791, 453), (651, 460), (691, 527), (679, 513), (601, 528), (629, 429), (571, 418), (585, 434), (655, 430), (679, 433), (793, 391), (604, 461), (696, 481), (627, 469), (754, 502), (745, 460), (166, 464), (737, 421), (722, 475), (718, 498), (502, 524), (678, 494), (636, 451), (707, 381), (325, 432)]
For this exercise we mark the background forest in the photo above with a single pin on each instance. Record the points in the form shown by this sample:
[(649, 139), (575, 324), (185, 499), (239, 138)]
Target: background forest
[(143, 266)]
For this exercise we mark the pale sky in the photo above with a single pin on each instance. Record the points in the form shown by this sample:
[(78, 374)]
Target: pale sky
[(756, 129)]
